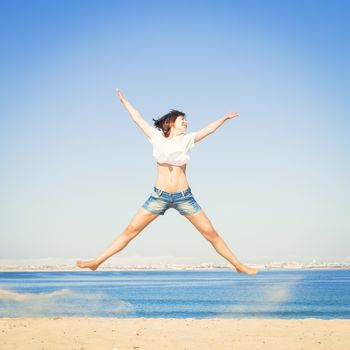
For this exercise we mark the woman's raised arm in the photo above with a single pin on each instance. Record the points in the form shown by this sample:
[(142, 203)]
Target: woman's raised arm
[(135, 115), (209, 129)]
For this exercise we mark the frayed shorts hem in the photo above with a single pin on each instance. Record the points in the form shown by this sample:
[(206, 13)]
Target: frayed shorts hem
[(180, 212), (153, 211)]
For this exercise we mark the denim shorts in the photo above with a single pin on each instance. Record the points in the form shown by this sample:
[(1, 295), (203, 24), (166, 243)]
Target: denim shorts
[(160, 201)]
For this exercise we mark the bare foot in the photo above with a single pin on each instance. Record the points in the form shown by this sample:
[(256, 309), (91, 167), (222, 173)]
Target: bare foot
[(245, 269), (91, 264)]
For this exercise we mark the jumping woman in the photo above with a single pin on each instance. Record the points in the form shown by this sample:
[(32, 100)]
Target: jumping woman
[(171, 147)]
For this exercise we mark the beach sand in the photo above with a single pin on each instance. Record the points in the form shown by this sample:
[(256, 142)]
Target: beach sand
[(164, 333)]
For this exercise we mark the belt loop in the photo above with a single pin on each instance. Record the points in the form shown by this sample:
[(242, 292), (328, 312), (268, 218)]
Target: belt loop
[(183, 193), (160, 192)]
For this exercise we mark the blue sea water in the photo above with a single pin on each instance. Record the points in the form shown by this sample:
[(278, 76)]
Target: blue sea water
[(197, 294)]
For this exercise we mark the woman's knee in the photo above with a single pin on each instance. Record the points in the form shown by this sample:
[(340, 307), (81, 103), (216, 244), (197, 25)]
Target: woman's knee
[(211, 236), (131, 231)]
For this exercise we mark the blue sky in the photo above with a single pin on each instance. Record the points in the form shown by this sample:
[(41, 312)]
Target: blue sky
[(75, 167)]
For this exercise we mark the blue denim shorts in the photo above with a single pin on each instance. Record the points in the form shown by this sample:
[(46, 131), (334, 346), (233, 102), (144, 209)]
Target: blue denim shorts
[(160, 201)]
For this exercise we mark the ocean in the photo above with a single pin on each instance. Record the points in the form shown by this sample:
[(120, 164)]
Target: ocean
[(218, 293)]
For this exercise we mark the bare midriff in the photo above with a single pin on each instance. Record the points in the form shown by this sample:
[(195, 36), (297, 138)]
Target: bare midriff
[(171, 178)]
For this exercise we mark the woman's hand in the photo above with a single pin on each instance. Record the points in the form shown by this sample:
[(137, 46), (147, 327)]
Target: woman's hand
[(231, 115), (121, 97)]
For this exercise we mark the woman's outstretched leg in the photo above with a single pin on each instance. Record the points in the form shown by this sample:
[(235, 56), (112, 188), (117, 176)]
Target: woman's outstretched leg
[(141, 219), (205, 227)]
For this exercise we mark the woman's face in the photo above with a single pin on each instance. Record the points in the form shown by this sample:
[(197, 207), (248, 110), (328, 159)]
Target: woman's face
[(181, 123)]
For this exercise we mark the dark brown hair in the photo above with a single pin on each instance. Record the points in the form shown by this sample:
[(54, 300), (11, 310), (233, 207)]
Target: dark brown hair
[(165, 122)]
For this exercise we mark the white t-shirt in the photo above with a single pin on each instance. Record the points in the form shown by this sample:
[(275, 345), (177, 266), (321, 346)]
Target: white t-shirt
[(174, 151)]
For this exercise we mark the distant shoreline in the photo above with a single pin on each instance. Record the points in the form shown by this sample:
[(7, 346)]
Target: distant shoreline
[(68, 269)]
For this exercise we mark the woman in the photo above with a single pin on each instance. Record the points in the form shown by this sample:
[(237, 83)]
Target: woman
[(171, 146)]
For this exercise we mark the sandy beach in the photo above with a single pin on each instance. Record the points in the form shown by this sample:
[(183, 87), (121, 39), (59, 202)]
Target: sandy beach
[(162, 333)]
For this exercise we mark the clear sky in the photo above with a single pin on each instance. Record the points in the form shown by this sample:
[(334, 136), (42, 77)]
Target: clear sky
[(75, 168)]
